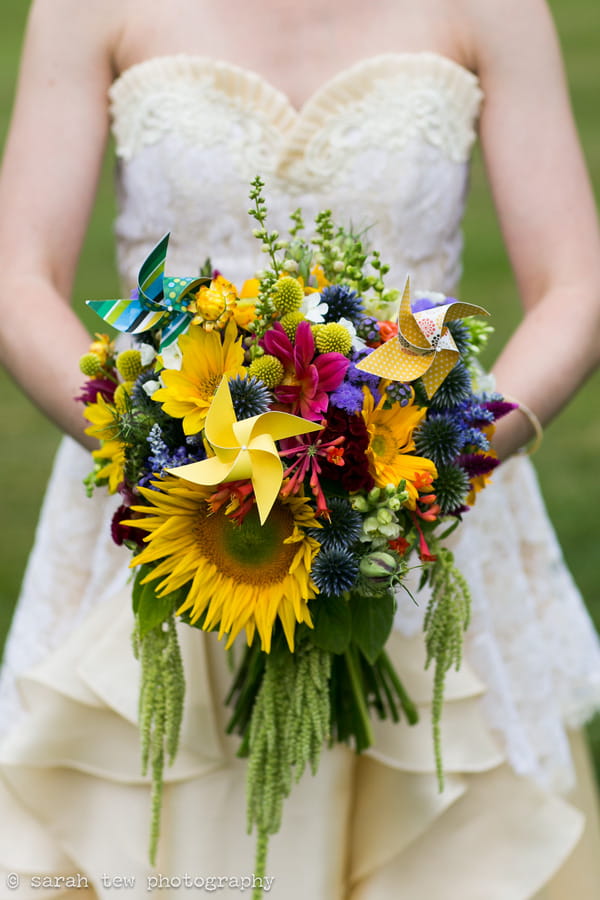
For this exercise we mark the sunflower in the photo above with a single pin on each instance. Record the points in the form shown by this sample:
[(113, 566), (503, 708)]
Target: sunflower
[(206, 358), (240, 576), (391, 444)]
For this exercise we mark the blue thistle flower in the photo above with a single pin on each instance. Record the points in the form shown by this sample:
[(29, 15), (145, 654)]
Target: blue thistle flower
[(451, 487), (440, 438), (249, 396), (461, 335), (455, 388), (334, 570), (343, 528), (342, 303)]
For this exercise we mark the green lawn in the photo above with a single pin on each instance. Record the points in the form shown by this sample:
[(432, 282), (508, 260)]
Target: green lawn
[(568, 459)]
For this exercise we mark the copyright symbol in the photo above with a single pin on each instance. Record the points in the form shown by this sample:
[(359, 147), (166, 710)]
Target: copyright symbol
[(12, 880)]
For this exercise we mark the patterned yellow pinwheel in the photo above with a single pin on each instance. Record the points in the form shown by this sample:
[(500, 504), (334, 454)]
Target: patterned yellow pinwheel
[(244, 448), (424, 347)]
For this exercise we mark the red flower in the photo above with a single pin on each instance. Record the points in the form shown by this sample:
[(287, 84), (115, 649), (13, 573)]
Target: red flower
[(400, 545), (307, 449), (354, 475), (309, 379), (121, 533), (239, 497)]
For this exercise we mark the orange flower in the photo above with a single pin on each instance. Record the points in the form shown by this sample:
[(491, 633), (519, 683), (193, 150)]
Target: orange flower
[(391, 446), (388, 330)]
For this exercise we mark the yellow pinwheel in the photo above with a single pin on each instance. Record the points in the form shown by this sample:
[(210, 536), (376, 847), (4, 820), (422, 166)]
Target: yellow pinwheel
[(244, 448), (424, 347)]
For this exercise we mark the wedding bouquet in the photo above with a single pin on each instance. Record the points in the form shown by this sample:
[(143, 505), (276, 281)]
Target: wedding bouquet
[(284, 455)]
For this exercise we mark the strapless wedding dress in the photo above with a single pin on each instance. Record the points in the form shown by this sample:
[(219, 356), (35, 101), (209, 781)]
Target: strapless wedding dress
[(386, 146)]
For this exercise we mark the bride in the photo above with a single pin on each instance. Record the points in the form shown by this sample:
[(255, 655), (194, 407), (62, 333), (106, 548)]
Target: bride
[(371, 111)]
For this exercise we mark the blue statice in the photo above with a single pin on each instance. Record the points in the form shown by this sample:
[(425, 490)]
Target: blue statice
[(475, 412), (334, 570), (343, 528), (342, 303), (473, 437)]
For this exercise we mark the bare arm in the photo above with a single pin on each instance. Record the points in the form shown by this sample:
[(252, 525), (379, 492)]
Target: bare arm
[(47, 185), (546, 210)]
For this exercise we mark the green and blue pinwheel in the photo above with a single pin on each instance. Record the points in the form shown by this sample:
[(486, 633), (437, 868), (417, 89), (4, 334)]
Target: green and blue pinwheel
[(161, 301)]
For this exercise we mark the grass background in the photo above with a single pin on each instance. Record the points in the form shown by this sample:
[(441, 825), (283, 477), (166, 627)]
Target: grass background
[(567, 462)]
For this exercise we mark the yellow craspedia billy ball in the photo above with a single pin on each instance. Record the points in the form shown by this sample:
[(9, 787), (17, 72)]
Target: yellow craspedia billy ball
[(267, 369), (333, 338), (290, 323), (288, 295), (129, 364), (90, 364)]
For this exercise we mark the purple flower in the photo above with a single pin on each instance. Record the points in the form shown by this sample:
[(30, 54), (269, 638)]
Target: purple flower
[(348, 397), (429, 301)]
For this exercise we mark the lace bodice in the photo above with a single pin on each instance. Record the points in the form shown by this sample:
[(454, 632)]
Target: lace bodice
[(385, 145)]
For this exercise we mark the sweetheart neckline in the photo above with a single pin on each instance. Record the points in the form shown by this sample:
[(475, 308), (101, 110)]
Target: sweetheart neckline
[(327, 85)]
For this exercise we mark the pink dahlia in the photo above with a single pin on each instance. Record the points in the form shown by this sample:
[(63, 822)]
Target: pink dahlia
[(309, 377)]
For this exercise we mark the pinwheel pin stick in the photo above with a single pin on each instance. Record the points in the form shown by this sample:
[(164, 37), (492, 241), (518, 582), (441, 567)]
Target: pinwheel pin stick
[(244, 449), (161, 300), (424, 347)]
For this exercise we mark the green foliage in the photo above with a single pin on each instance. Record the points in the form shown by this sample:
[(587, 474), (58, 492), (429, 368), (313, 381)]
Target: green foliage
[(162, 691), (150, 609), (446, 619), (288, 728), (333, 623), (372, 620)]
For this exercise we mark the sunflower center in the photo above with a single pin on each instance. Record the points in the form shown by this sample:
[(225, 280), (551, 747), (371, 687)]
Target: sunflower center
[(250, 552), (383, 444)]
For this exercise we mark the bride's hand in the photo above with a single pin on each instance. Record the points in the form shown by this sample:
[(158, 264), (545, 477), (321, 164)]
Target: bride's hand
[(49, 175)]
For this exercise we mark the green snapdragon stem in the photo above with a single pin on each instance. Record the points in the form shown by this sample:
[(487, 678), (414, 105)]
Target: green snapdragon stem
[(364, 732)]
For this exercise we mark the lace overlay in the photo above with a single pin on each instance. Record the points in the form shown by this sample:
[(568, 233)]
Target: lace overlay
[(191, 133), (385, 145)]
